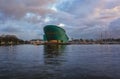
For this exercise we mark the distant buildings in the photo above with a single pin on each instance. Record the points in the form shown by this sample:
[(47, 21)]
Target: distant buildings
[(36, 41), (13, 40), (82, 41), (98, 41)]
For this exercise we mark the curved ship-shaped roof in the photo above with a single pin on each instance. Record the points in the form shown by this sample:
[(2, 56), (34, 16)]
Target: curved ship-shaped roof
[(54, 33)]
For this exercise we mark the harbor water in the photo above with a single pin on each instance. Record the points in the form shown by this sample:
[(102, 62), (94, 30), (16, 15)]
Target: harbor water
[(60, 62)]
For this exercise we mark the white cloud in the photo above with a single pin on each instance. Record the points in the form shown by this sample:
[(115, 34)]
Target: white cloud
[(61, 25), (18, 8), (84, 16)]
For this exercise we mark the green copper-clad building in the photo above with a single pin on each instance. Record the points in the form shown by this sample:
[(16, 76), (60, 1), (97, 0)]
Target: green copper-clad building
[(55, 34)]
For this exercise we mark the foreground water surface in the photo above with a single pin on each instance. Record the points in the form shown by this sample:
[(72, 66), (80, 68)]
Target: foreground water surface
[(60, 62)]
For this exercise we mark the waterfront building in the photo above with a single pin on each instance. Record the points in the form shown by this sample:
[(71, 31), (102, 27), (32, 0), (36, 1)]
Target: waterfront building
[(55, 34)]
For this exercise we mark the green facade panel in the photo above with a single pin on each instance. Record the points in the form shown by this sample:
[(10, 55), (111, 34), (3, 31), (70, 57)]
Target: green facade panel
[(53, 32)]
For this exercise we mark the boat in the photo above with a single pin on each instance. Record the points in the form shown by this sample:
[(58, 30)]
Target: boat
[(55, 34)]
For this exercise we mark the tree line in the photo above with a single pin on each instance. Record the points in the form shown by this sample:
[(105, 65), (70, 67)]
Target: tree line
[(10, 39)]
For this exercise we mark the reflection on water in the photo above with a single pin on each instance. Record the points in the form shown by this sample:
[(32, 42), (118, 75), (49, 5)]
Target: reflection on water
[(53, 50), (60, 62), (52, 54)]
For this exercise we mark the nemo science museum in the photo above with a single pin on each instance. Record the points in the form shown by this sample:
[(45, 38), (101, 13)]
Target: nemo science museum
[(54, 34)]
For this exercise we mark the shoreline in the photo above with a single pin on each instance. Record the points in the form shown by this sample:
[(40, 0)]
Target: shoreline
[(63, 44)]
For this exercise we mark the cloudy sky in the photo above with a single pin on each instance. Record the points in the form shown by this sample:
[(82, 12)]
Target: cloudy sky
[(80, 18)]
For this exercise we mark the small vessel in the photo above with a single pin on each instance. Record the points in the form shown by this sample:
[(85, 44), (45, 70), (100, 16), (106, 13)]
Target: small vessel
[(55, 34)]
